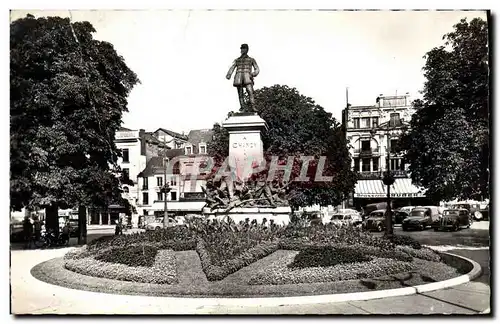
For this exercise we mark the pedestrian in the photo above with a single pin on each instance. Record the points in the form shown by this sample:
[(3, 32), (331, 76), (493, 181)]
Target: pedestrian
[(118, 227), (65, 232), (27, 232), (37, 227)]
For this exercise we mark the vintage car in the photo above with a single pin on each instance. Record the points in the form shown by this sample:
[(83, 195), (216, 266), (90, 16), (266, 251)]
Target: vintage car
[(407, 209), (485, 211), (346, 219), (158, 224), (474, 209), (421, 218), (375, 221), (453, 219), (398, 216)]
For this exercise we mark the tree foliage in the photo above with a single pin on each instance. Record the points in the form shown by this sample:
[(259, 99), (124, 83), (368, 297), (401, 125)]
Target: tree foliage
[(299, 127), (68, 93), (447, 144)]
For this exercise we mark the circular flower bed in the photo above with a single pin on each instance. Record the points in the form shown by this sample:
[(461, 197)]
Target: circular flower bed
[(316, 254)]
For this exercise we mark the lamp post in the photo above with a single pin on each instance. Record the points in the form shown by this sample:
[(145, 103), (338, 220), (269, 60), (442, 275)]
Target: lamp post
[(388, 180)]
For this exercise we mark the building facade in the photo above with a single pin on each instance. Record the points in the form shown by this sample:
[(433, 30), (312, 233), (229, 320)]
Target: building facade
[(138, 147), (186, 195), (373, 133)]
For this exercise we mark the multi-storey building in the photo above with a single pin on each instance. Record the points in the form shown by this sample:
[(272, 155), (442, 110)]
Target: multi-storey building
[(186, 195), (138, 147), (373, 133)]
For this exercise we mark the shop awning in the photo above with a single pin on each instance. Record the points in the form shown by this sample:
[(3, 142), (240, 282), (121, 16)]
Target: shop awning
[(174, 206), (402, 188)]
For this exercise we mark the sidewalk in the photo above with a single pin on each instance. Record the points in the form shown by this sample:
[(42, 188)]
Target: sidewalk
[(31, 296)]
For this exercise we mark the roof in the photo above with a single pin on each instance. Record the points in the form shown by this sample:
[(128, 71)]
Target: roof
[(198, 136), (124, 129), (172, 133), (156, 162)]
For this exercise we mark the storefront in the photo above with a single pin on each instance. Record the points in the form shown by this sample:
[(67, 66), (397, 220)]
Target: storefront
[(403, 193), (178, 208)]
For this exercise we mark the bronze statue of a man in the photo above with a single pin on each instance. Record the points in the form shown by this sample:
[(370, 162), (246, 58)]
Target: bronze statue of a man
[(244, 76)]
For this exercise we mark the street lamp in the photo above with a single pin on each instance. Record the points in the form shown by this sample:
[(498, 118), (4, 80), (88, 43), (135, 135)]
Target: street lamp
[(388, 180), (165, 190)]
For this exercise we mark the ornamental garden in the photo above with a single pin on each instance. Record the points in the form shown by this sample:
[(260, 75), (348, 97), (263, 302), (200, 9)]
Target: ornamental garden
[(220, 257)]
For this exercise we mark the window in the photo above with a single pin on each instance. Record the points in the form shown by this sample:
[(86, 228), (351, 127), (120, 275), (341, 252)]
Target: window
[(356, 122), (145, 212), (145, 198), (375, 122), (396, 164), (365, 122), (173, 195), (395, 121), (125, 156), (125, 189), (160, 196), (356, 164), (145, 183), (366, 165), (189, 150), (173, 181), (125, 173), (203, 149), (159, 181), (176, 169), (394, 144), (365, 146), (375, 164)]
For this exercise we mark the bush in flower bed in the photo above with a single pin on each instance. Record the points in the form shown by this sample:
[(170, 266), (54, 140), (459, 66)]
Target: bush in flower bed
[(279, 272), (163, 270), (327, 256), (405, 240), (423, 253), (223, 268), (133, 256)]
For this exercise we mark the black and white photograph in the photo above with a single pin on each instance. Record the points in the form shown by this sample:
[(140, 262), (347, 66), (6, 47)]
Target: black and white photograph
[(250, 162)]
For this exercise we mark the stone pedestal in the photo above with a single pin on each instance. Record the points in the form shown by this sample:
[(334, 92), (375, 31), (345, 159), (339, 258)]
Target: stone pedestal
[(245, 142)]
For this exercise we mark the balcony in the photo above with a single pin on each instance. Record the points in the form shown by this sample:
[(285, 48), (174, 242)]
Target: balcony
[(374, 175), (367, 152)]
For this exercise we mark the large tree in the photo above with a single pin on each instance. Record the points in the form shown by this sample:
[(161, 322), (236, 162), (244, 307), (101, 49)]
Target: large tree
[(299, 127), (447, 145), (68, 93)]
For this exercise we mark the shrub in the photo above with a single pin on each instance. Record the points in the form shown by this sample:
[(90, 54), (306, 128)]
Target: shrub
[(279, 273), (405, 240), (327, 256), (133, 256), (219, 272), (424, 253), (163, 270)]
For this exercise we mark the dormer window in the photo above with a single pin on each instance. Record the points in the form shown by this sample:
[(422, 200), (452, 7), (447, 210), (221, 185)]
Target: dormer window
[(203, 148), (189, 150)]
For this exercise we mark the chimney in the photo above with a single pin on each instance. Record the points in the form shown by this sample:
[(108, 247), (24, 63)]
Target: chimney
[(142, 139)]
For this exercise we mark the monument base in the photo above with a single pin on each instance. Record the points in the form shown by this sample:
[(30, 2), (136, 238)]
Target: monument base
[(280, 215)]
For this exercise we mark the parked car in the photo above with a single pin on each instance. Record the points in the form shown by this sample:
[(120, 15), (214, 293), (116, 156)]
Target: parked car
[(158, 224), (453, 219), (485, 211), (398, 216), (346, 219), (421, 218), (474, 209), (406, 209), (373, 207), (375, 221)]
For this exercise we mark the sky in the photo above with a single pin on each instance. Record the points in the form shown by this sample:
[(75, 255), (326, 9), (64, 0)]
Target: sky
[(182, 56)]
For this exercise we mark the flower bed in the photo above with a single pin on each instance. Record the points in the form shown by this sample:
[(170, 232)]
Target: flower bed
[(133, 256), (279, 272), (225, 268), (327, 256), (162, 271)]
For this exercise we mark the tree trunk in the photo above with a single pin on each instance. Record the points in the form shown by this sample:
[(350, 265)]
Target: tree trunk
[(52, 218), (82, 225)]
